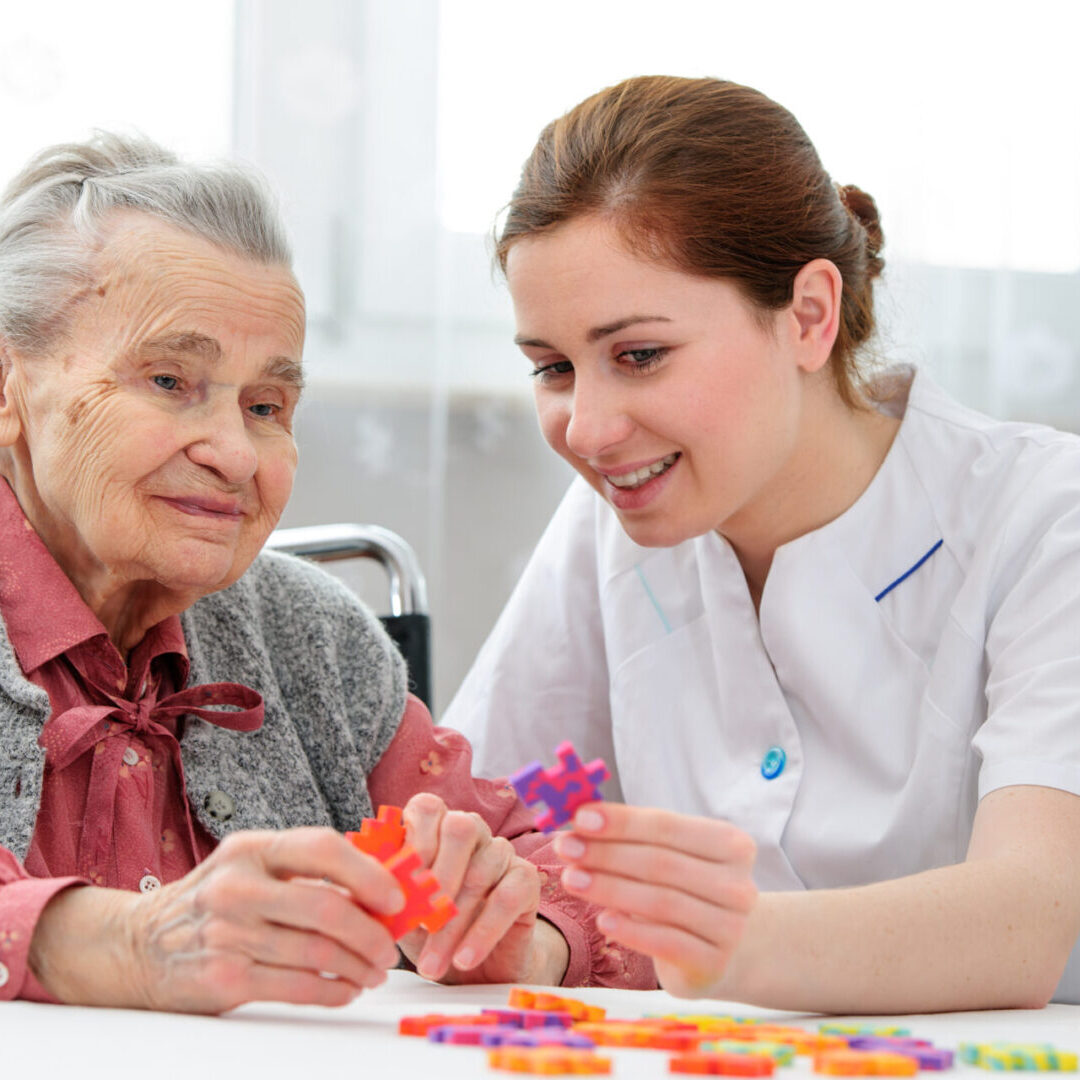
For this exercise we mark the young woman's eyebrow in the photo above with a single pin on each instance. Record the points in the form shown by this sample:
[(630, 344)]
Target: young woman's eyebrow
[(597, 332)]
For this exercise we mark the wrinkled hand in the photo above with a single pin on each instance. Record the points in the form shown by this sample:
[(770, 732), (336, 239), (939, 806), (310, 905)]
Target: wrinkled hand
[(674, 887), (495, 936), (269, 916)]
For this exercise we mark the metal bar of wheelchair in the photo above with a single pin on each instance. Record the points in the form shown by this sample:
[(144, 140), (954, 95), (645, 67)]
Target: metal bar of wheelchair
[(408, 623)]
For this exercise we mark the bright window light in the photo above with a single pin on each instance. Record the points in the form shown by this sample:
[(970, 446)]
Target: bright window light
[(67, 68), (962, 119)]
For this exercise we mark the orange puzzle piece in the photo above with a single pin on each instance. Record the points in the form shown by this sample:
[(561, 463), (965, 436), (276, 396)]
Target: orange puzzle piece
[(550, 1061), (865, 1063), (527, 999), (380, 836)]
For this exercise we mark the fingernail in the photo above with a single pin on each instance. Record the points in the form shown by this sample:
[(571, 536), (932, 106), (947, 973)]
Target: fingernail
[(571, 847), (465, 958), (588, 821), (606, 922), (429, 967), (575, 878), (393, 902)]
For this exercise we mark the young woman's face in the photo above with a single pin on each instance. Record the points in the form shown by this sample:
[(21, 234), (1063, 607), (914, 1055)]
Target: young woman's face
[(672, 396)]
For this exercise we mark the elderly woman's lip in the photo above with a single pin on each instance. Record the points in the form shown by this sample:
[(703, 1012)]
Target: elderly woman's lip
[(205, 507)]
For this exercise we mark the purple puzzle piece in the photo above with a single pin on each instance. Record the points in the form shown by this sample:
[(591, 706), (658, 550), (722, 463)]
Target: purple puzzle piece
[(468, 1034), (530, 1018), (928, 1057), (549, 1036), (896, 1043), (563, 788)]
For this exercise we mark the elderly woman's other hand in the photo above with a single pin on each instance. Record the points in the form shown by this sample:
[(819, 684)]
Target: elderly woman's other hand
[(496, 936), (269, 916)]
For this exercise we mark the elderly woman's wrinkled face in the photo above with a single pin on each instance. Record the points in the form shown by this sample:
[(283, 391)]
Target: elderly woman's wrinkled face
[(155, 443)]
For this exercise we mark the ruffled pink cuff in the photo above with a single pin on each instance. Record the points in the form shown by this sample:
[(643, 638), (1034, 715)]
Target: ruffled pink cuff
[(21, 905)]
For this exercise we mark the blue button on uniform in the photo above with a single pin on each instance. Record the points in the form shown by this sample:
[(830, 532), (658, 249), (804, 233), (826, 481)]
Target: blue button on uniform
[(772, 764)]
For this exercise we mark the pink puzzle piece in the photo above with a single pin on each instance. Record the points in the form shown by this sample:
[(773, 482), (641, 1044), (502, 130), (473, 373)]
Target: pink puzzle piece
[(563, 788)]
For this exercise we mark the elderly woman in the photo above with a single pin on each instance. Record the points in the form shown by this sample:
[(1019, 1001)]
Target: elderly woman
[(187, 723)]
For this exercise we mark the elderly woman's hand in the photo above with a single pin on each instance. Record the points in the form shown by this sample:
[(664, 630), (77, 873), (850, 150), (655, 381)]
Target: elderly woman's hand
[(269, 916), (496, 936), (675, 887)]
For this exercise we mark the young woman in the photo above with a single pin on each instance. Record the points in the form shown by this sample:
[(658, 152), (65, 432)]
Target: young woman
[(796, 602)]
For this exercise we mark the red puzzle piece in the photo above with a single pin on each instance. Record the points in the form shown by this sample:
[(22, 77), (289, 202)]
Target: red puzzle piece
[(716, 1064), (421, 1025), (425, 905), (563, 788)]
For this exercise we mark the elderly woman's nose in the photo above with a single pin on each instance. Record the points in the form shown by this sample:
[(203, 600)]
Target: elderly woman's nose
[(225, 445)]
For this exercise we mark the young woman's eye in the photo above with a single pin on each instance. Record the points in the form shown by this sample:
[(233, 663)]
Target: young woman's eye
[(166, 382), (547, 372), (642, 359)]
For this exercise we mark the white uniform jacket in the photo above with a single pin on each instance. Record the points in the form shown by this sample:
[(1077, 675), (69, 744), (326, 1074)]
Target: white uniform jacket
[(910, 656)]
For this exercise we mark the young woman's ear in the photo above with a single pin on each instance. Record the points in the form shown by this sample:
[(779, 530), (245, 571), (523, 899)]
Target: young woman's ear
[(815, 311)]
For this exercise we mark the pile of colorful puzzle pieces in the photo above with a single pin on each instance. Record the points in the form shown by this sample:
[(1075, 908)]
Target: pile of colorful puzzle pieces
[(383, 837), (563, 788), (547, 1034)]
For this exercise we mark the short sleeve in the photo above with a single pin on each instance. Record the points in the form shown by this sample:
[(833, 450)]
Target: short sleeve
[(1032, 731)]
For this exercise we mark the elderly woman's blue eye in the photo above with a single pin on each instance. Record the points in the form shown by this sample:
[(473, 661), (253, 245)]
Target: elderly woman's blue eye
[(263, 409), (166, 382)]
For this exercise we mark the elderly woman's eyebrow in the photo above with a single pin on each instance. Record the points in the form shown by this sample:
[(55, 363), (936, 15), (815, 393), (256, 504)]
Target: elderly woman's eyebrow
[(188, 341), (285, 369), (282, 368)]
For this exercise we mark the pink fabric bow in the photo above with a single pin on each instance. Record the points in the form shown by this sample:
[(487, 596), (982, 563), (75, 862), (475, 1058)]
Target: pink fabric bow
[(75, 731)]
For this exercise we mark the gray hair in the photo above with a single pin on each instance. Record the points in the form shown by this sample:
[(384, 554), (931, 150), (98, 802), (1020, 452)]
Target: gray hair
[(52, 213)]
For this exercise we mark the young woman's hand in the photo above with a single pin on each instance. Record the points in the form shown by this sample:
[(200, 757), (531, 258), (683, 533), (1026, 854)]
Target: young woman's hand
[(269, 916), (676, 888), (495, 937)]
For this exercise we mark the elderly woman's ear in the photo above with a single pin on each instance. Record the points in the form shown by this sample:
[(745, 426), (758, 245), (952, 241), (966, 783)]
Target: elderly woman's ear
[(10, 425)]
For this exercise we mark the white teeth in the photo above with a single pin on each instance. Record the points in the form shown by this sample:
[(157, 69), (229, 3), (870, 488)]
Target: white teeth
[(647, 472)]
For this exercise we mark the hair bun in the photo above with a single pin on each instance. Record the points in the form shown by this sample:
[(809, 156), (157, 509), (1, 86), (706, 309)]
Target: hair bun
[(863, 208)]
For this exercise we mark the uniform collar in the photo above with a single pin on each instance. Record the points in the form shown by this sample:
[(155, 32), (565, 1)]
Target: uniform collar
[(885, 533)]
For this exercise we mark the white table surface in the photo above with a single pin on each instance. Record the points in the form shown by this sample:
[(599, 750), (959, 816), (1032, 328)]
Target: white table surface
[(267, 1042)]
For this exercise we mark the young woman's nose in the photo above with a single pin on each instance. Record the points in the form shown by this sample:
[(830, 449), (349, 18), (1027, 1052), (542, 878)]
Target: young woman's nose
[(598, 420)]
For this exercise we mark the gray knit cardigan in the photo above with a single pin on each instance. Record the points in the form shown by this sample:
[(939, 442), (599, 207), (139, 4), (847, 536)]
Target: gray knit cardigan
[(334, 687)]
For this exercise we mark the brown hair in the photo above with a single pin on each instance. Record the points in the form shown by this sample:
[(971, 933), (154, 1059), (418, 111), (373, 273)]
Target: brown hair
[(717, 180)]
